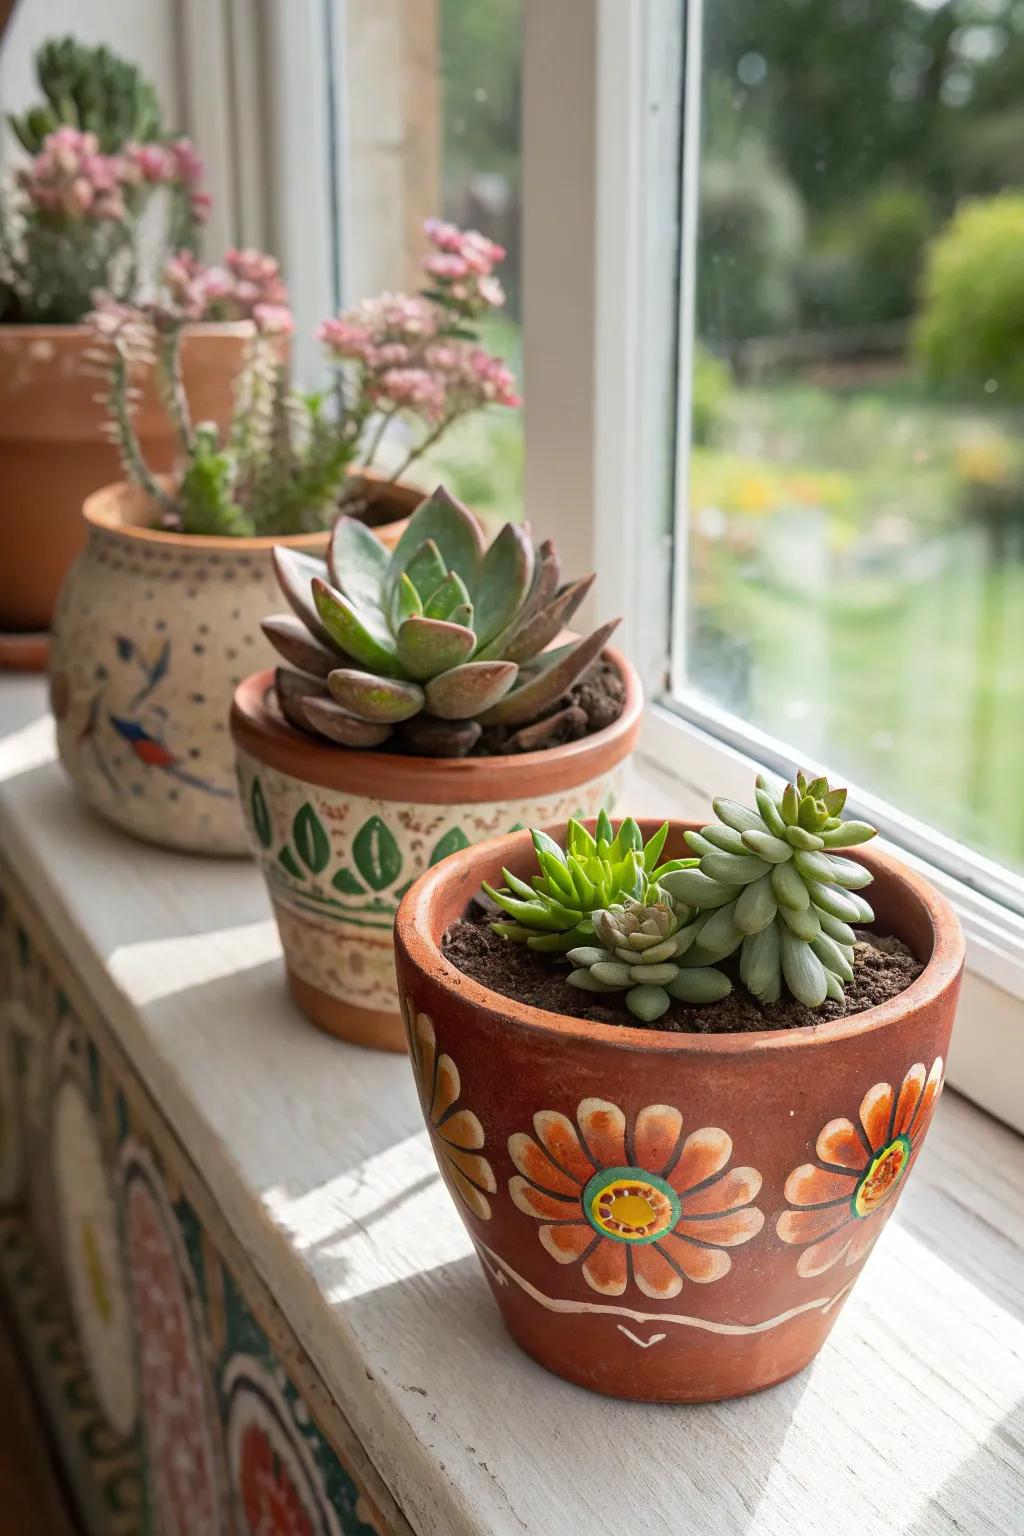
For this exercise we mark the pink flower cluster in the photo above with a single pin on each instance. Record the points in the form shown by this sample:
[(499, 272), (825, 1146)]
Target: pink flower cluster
[(178, 164), (462, 266), (249, 286), (406, 346), (71, 179)]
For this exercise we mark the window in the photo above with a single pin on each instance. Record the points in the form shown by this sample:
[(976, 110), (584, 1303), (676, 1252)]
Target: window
[(851, 526)]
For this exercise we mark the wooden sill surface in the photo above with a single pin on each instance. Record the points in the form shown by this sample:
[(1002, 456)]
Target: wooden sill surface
[(910, 1421)]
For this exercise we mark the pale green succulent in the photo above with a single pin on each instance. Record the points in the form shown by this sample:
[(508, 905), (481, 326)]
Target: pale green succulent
[(644, 952), (436, 640), (555, 911), (771, 886)]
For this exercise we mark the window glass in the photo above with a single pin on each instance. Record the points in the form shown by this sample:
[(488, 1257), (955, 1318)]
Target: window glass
[(856, 482), (480, 62)]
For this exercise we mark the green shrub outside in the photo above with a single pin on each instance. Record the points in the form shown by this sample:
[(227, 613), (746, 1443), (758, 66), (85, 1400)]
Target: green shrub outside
[(970, 334)]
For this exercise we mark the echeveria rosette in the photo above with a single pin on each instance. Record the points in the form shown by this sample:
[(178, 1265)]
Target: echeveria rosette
[(644, 949), (555, 910), (436, 640), (770, 885)]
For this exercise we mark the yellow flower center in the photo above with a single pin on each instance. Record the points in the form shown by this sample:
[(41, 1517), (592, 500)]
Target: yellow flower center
[(881, 1177), (630, 1205)]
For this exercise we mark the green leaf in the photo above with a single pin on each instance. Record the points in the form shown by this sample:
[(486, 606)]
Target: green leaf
[(260, 815), (444, 600), (287, 860), (311, 841), (346, 882), (451, 842), (652, 853), (406, 603), (426, 570), (545, 844), (427, 647), (505, 579), (464, 692), (376, 854), (455, 532), (363, 636), (380, 699), (358, 562)]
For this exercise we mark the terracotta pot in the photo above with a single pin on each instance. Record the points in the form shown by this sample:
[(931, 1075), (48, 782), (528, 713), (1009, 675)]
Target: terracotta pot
[(53, 452), (671, 1217), (340, 835), (153, 633)]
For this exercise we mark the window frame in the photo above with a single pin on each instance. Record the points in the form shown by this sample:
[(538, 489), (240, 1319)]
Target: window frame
[(628, 458)]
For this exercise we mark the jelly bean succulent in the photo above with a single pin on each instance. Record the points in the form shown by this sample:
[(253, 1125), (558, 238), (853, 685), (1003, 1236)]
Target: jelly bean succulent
[(770, 883), (601, 903), (775, 886), (79, 215), (432, 643), (396, 362)]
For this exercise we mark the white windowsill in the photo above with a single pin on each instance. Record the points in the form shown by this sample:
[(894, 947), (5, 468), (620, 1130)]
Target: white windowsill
[(316, 1155)]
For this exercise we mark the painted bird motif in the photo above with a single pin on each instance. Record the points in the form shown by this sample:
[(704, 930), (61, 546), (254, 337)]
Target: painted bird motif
[(155, 753)]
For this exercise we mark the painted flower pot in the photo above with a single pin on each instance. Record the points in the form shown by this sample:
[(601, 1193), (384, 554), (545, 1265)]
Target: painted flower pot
[(153, 633), (671, 1217), (341, 835), (53, 452)]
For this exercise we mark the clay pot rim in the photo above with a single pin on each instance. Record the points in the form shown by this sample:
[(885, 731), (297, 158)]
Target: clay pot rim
[(100, 512), (77, 330), (414, 935), (438, 780)]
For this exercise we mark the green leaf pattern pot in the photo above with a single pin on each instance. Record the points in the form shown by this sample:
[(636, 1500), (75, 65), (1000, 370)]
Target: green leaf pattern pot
[(341, 834)]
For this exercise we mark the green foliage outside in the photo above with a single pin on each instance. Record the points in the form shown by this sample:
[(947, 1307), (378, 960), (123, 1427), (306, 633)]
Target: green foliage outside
[(971, 332)]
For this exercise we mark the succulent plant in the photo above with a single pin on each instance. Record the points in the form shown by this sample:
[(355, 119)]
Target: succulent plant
[(435, 641), (770, 885), (89, 88), (644, 951), (556, 910)]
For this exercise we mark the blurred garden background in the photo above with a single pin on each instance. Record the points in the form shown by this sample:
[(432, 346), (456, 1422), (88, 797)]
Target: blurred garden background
[(856, 495), (857, 478)]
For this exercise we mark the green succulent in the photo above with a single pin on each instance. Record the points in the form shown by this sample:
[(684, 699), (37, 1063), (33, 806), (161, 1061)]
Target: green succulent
[(555, 910), (436, 640), (770, 885), (91, 89), (644, 951)]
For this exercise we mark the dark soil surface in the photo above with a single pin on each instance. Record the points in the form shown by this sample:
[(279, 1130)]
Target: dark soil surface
[(883, 966)]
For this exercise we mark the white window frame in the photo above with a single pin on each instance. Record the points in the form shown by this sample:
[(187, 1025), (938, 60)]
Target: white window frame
[(606, 300), (600, 359)]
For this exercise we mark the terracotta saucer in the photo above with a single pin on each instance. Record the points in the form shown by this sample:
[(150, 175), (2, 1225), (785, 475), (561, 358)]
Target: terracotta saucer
[(27, 652)]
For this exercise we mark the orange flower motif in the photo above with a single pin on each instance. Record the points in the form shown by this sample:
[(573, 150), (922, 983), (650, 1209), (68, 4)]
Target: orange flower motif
[(843, 1200), (649, 1205), (457, 1133)]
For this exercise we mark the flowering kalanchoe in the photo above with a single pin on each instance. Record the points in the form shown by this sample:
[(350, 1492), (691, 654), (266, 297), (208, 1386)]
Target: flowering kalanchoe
[(770, 885), (285, 465), (419, 354), (435, 641)]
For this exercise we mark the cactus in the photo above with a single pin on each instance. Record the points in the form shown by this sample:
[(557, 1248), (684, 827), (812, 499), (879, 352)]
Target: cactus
[(770, 884), (91, 89), (435, 640), (644, 951), (556, 910)]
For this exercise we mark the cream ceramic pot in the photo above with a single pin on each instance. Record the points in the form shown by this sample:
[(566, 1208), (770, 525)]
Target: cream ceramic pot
[(153, 633)]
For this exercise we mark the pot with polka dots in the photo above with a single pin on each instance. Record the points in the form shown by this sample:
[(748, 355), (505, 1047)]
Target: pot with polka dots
[(153, 632)]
